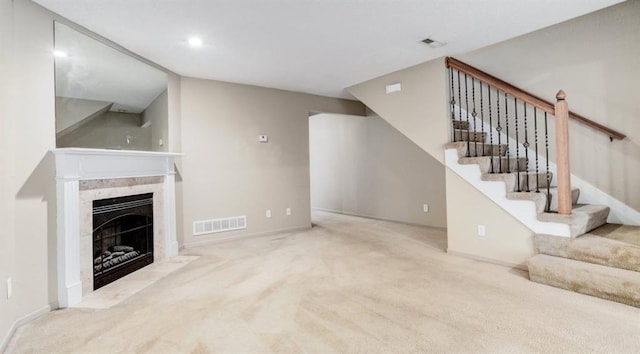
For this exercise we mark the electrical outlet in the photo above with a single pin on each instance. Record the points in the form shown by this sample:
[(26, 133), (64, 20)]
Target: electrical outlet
[(268, 214), (425, 208), (482, 232), (9, 288), (288, 211)]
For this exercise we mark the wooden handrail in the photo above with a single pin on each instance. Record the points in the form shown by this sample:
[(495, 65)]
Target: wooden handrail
[(526, 97)]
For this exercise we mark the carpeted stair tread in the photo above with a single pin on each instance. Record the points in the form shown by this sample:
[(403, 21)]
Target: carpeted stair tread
[(587, 278), (466, 135), (592, 249), (624, 233), (507, 164), (511, 180), (541, 200), (483, 149), (584, 218)]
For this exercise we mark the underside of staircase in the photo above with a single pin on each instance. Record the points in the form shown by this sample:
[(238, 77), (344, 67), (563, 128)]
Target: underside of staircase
[(599, 259)]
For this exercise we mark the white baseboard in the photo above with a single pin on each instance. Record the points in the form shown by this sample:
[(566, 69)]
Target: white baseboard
[(21, 322), (241, 237), (379, 218), (522, 266)]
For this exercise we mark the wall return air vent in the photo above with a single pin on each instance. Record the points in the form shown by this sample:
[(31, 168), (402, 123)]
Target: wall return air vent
[(213, 226)]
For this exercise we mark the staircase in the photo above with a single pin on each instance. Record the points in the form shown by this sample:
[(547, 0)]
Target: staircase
[(522, 184), (593, 258)]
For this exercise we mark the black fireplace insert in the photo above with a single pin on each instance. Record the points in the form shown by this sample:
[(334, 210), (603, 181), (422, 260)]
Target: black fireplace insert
[(122, 237)]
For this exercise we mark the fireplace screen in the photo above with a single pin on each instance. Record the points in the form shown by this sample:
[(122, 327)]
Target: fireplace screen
[(122, 237)]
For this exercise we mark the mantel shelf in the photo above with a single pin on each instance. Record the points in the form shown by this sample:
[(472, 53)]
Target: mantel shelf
[(114, 152), (91, 164)]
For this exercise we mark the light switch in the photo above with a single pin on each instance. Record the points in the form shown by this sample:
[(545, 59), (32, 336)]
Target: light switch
[(263, 138)]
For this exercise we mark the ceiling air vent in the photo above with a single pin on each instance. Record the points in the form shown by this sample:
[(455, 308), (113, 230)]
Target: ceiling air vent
[(433, 43)]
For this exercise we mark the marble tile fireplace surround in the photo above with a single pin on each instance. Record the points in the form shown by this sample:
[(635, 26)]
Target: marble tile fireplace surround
[(85, 175)]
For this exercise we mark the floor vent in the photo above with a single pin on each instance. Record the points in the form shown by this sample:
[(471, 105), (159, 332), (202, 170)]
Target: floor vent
[(203, 227)]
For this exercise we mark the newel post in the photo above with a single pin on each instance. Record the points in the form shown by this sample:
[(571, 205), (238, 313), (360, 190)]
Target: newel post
[(562, 154)]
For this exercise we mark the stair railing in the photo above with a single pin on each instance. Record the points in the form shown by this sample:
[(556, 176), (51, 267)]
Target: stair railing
[(508, 106)]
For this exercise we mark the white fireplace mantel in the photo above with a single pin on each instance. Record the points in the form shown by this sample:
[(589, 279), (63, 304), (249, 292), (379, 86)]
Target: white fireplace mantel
[(77, 164)]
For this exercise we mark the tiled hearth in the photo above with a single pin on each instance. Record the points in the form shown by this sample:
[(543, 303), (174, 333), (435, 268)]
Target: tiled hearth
[(85, 175)]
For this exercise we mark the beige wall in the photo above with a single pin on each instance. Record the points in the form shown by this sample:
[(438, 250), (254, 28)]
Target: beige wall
[(158, 114), (110, 131), (28, 132), (7, 310), (363, 166), (227, 172), (507, 240), (419, 111), (595, 59)]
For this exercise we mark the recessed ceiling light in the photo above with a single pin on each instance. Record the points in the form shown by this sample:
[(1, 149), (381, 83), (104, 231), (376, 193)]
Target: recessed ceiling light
[(195, 42), (60, 54), (433, 43)]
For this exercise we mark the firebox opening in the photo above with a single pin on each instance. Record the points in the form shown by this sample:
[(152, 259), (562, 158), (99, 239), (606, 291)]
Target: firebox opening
[(122, 237)]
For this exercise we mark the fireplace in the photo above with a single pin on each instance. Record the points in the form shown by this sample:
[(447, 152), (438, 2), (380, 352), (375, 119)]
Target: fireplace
[(122, 237), (87, 175)]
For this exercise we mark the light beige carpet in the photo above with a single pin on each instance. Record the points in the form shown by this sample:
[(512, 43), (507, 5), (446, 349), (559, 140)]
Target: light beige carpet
[(348, 285)]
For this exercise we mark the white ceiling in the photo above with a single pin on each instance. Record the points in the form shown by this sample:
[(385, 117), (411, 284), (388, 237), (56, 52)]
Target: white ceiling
[(314, 46)]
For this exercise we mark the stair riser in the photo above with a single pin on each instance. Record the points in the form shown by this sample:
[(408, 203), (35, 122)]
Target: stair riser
[(553, 199), (507, 164), (459, 124), (530, 179), (511, 180), (464, 135), (487, 150), (604, 282), (479, 149), (541, 199), (591, 249)]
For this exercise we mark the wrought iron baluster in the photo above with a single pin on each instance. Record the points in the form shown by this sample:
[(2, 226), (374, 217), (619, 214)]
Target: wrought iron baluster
[(499, 130), (535, 130), (491, 129), (474, 115), (484, 140), (526, 148), (506, 122), (515, 108), (546, 143), (466, 100), (459, 105), (453, 105)]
